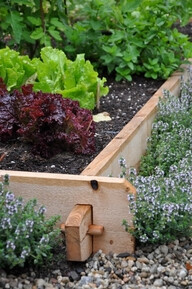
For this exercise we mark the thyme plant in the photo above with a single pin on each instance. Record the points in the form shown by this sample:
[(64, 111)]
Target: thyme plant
[(163, 206), (26, 237)]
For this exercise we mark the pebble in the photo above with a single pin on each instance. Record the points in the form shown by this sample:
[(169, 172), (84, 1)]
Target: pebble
[(158, 283), (152, 267), (164, 249), (183, 273)]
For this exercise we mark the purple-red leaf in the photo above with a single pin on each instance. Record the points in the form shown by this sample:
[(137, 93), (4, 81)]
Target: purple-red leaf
[(48, 121)]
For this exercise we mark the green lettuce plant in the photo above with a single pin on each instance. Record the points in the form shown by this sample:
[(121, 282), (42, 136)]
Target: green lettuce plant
[(26, 236), (53, 73), (76, 79)]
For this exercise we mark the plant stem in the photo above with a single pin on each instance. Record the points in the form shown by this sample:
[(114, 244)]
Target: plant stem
[(65, 5), (42, 15)]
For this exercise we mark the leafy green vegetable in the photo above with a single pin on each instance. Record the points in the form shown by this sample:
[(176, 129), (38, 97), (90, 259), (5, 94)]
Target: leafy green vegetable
[(14, 68), (76, 80), (53, 73)]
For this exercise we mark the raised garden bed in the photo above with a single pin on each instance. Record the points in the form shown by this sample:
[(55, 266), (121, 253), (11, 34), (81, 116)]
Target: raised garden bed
[(106, 196)]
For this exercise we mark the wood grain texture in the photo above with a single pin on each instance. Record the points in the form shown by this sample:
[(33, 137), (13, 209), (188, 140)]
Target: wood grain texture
[(95, 230), (78, 243), (60, 193)]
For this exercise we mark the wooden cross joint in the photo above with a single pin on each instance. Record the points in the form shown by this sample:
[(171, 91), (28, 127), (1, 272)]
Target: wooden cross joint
[(79, 232)]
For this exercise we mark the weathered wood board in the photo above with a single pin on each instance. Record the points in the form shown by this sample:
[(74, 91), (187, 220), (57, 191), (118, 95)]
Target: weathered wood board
[(60, 193)]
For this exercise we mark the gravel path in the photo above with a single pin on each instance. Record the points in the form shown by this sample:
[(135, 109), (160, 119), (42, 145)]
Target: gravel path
[(151, 267)]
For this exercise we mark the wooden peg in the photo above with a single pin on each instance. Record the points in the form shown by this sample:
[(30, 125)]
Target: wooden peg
[(95, 230)]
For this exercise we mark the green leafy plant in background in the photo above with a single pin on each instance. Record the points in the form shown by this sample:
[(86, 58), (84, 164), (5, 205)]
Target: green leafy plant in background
[(129, 37), (29, 25), (26, 237), (121, 37), (162, 209), (165, 48), (105, 36)]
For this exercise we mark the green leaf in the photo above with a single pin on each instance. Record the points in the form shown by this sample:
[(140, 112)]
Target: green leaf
[(26, 36), (55, 21), (61, 7), (150, 74), (131, 65), (23, 2), (95, 25), (3, 12), (16, 26), (13, 77), (86, 99), (55, 34), (160, 22), (37, 33), (45, 40), (117, 36), (34, 20), (131, 5)]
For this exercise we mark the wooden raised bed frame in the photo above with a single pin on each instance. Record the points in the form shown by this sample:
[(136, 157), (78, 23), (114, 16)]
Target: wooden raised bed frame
[(92, 205)]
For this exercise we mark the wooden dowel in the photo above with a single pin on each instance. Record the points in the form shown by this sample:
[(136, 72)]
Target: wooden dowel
[(95, 230)]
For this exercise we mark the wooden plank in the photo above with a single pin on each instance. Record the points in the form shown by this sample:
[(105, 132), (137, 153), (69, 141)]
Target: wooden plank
[(131, 142), (60, 193), (78, 243)]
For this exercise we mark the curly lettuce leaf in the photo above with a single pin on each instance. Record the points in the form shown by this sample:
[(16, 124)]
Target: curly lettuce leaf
[(49, 122), (15, 69)]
